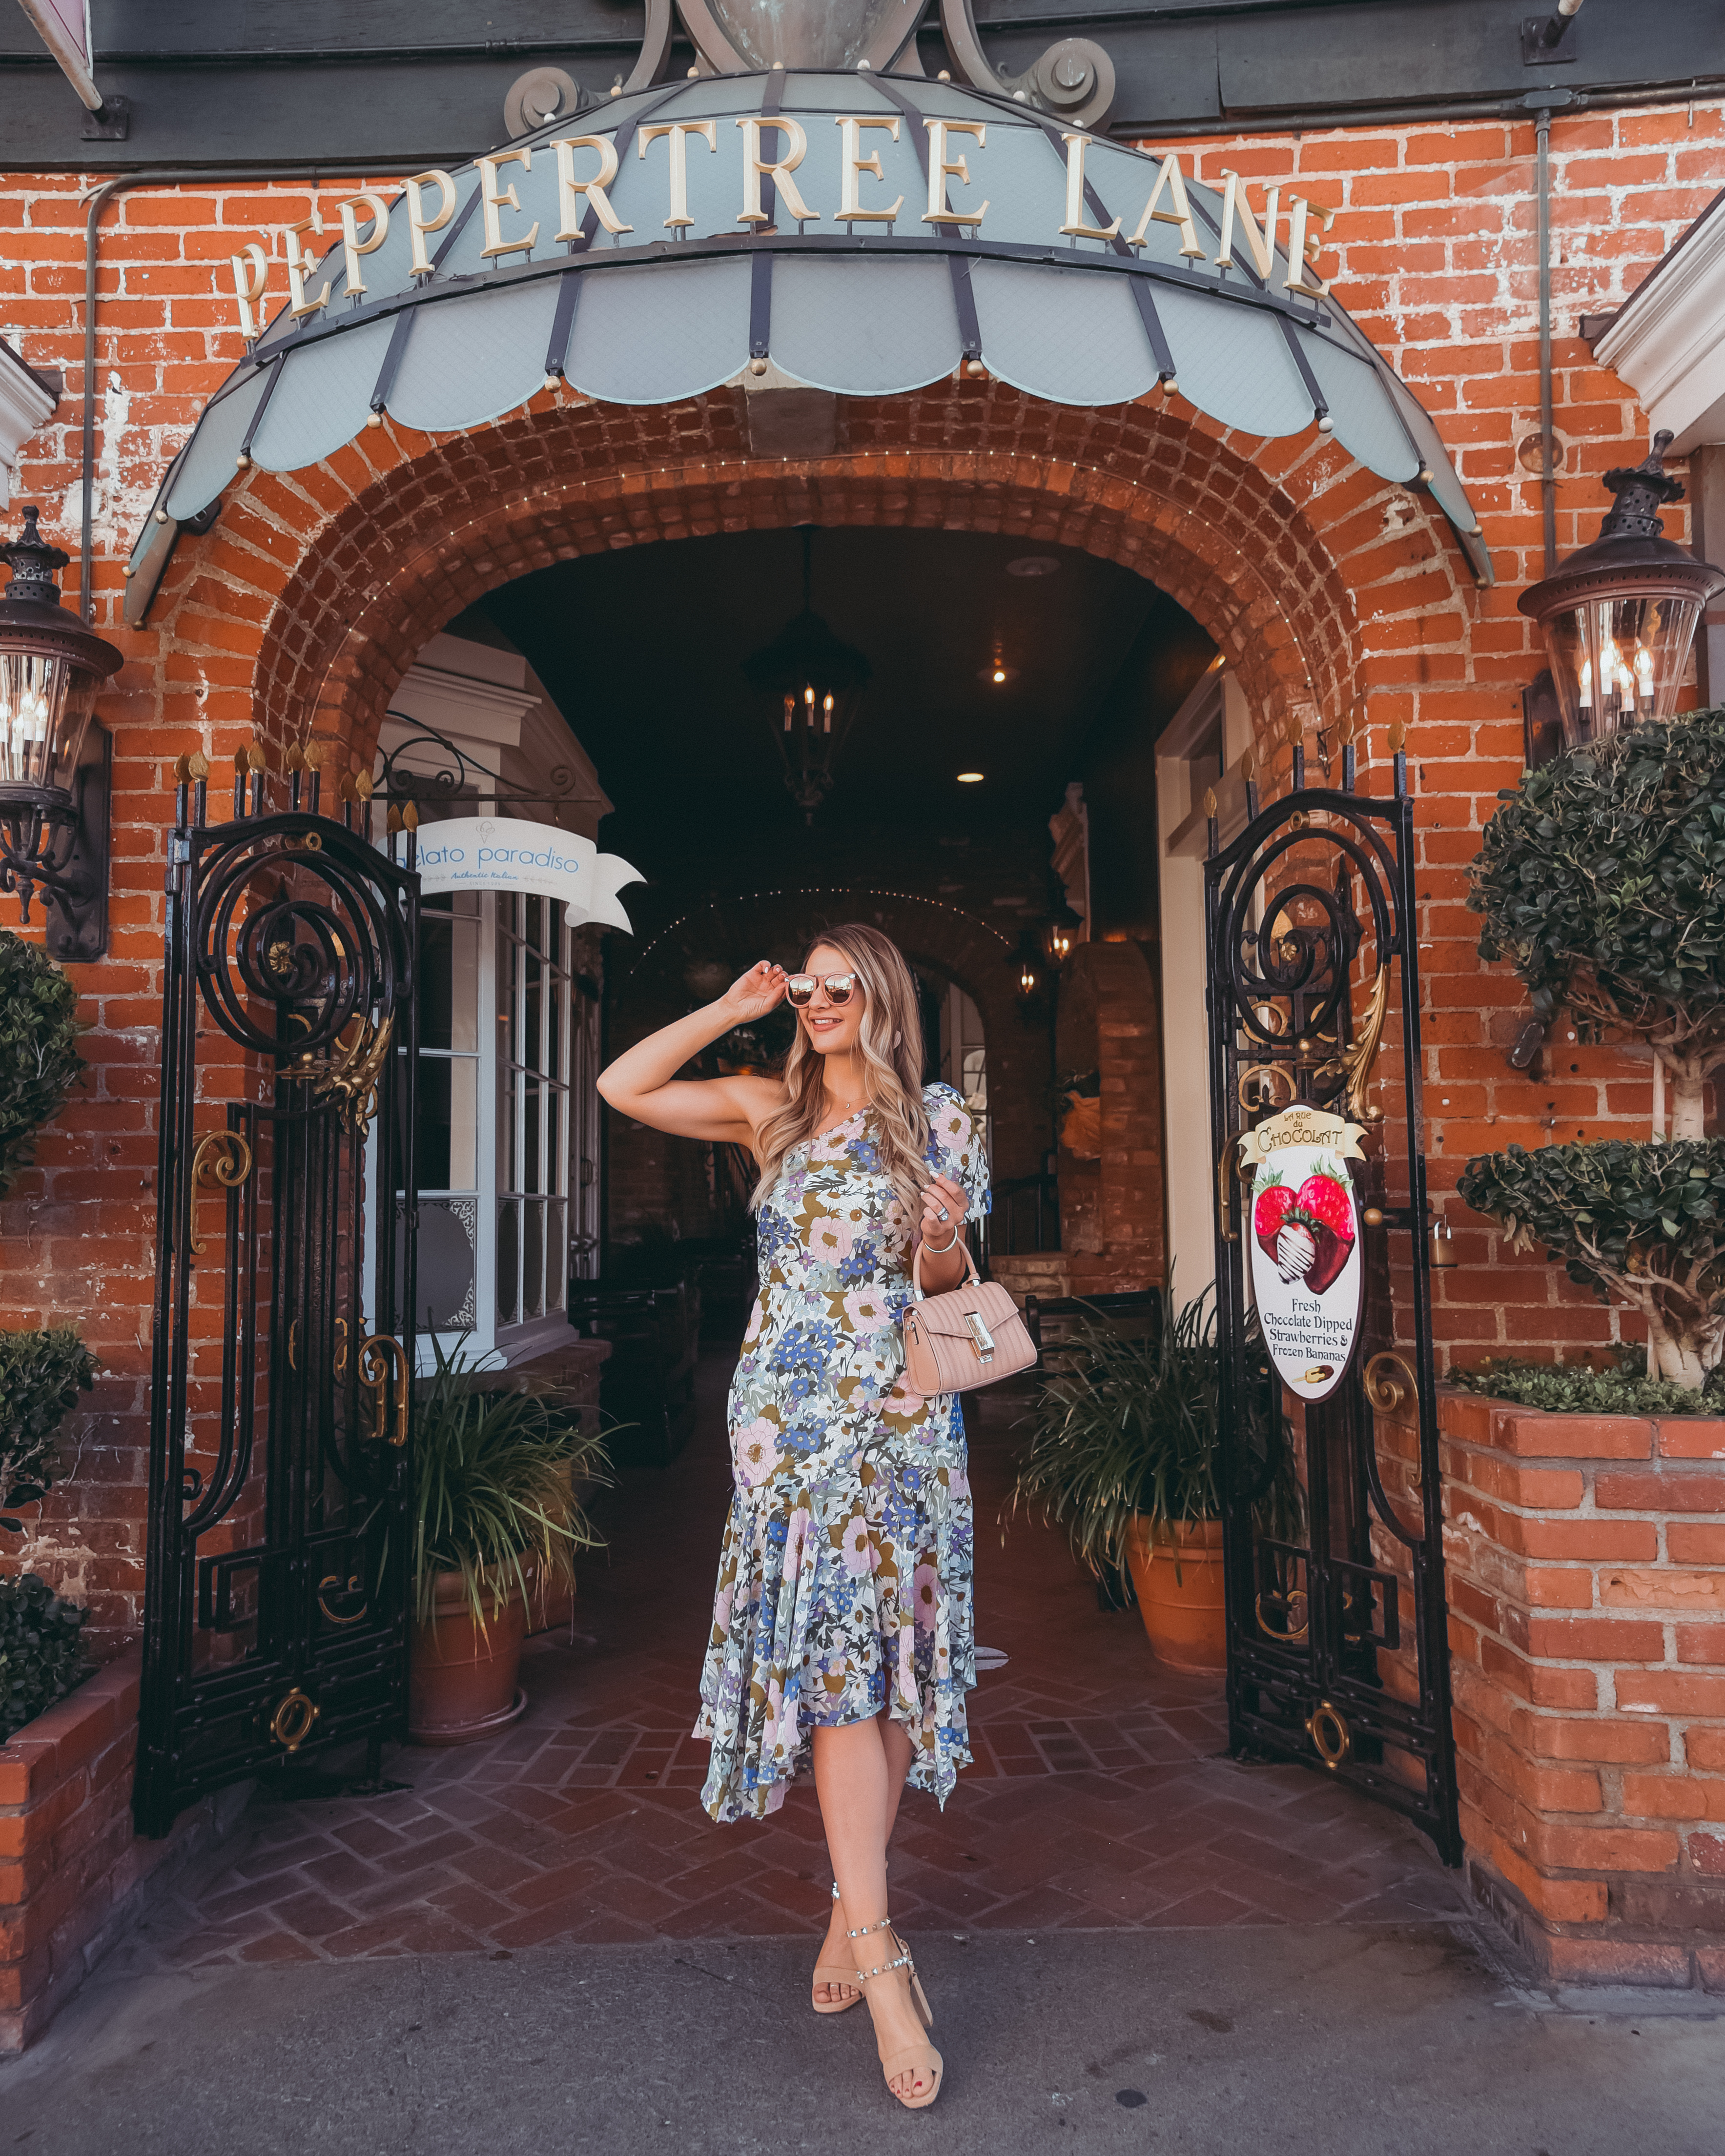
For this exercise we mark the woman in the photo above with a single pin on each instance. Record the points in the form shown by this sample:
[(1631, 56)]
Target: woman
[(841, 1636)]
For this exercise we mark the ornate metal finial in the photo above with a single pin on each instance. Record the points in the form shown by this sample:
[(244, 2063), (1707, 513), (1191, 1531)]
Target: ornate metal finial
[(33, 563), (1640, 491)]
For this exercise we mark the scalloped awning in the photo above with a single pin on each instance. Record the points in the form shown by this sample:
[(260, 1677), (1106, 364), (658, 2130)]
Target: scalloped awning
[(862, 309)]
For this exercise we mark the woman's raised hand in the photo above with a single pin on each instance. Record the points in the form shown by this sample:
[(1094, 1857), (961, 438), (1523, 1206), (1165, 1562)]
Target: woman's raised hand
[(752, 994)]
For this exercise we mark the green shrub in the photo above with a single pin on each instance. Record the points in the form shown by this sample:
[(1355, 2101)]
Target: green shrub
[(38, 1053), (1574, 1388), (1641, 1224), (1602, 881), (41, 1655), (41, 1376)]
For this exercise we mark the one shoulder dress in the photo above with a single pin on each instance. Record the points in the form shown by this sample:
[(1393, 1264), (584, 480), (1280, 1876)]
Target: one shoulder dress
[(844, 1578)]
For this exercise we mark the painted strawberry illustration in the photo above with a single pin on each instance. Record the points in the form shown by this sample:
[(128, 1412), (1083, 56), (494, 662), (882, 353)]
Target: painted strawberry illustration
[(1269, 1211), (1317, 1233)]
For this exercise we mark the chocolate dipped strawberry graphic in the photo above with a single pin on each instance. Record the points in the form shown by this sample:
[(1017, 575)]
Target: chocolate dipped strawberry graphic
[(1317, 1233), (1270, 1209)]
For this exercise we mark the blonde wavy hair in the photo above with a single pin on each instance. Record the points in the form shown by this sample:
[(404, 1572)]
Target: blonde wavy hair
[(890, 1042)]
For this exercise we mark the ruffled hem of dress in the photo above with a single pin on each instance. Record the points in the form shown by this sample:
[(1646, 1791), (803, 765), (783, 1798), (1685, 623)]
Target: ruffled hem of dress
[(746, 1717)]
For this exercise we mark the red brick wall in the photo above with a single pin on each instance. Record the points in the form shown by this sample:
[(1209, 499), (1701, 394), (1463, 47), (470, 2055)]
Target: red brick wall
[(72, 1872), (1587, 1625), (314, 591)]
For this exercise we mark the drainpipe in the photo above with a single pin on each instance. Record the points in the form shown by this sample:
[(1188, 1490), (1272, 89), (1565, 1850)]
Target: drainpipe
[(1542, 103)]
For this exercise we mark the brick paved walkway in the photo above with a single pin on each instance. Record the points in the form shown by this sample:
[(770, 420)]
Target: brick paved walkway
[(1100, 1797)]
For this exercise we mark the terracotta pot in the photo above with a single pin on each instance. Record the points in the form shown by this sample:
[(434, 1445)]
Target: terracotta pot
[(462, 1680), (1177, 1570)]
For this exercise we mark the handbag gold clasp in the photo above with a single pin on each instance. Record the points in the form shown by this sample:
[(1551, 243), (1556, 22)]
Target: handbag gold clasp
[(980, 1335)]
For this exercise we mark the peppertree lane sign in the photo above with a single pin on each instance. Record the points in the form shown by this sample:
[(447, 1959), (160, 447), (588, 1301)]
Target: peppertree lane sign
[(1308, 1279), (500, 853)]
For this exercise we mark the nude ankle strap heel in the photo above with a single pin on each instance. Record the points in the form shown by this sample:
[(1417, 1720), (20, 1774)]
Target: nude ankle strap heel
[(832, 1974), (920, 2059)]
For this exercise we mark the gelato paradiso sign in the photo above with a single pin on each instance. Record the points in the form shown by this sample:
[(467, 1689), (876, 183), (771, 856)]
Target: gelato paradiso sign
[(847, 177), (1308, 1277), (495, 853)]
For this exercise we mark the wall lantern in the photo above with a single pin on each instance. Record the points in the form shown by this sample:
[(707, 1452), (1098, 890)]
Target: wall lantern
[(1030, 956), (1619, 617), (54, 793), (1060, 934), (814, 683)]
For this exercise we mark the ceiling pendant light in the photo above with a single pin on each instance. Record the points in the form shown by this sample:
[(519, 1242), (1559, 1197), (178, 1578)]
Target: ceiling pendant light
[(814, 684)]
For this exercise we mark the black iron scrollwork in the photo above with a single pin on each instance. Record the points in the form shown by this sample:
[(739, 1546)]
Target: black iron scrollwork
[(1312, 962)]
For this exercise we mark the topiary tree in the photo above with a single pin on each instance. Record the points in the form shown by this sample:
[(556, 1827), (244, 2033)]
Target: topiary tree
[(39, 1048), (1641, 1224), (1602, 881), (41, 1376)]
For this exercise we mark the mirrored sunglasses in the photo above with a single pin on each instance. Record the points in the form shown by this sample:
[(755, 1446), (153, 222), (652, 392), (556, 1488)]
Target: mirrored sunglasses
[(800, 987)]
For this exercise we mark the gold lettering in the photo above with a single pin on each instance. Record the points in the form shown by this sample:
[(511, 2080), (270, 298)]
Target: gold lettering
[(1179, 212), (853, 164), (940, 167), (300, 264), (352, 246), (1303, 248), (495, 200), (248, 291), (570, 190), (1259, 245), (1074, 228), (756, 168), (678, 132), (418, 224)]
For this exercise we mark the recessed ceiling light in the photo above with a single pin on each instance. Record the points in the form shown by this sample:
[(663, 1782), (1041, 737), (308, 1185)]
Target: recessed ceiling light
[(1032, 565), (970, 778)]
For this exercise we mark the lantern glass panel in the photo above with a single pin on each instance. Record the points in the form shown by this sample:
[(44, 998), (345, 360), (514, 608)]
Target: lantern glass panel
[(1619, 660), (45, 707)]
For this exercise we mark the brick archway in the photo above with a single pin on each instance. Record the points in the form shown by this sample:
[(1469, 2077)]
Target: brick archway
[(1318, 580)]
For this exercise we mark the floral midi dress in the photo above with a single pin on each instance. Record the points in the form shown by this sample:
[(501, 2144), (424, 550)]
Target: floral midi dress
[(845, 1579)]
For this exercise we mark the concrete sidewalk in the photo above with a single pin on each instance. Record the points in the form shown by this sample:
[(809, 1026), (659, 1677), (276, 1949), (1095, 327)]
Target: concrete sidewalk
[(1403, 2041)]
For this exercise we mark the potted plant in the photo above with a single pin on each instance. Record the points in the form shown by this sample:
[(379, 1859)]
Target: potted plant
[(1600, 880), (38, 1052), (496, 1521), (1123, 1452)]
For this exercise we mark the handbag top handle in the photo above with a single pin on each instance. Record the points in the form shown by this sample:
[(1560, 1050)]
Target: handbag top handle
[(916, 1286)]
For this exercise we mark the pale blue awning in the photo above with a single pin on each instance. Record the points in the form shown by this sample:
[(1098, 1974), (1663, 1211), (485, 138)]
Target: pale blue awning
[(650, 317)]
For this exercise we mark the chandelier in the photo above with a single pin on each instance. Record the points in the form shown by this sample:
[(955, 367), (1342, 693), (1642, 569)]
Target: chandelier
[(53, 822), (812, 683)]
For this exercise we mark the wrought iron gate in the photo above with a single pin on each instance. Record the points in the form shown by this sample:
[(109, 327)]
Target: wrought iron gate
[(281, 1395), (1337, 1652)]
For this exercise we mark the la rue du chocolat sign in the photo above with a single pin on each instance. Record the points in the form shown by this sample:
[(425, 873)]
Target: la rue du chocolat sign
[(1308, 1277)]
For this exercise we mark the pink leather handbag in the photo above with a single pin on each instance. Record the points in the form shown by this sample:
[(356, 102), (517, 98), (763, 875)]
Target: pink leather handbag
[(972, 1335)]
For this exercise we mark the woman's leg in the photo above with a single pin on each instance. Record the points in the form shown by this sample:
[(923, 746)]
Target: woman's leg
[(895, 1743), (859, 1792)]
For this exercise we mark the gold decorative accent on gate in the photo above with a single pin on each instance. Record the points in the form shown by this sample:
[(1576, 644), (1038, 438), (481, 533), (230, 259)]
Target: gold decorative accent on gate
[(1331, 1739), (354, 1588), (1363, 1053), (1388, 1382), (339, 1365), (1230, 1234), (383, 1365), (223, 1159), (1296, 1634), (293, 1720), (350, 1071), (1254, 1075)]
